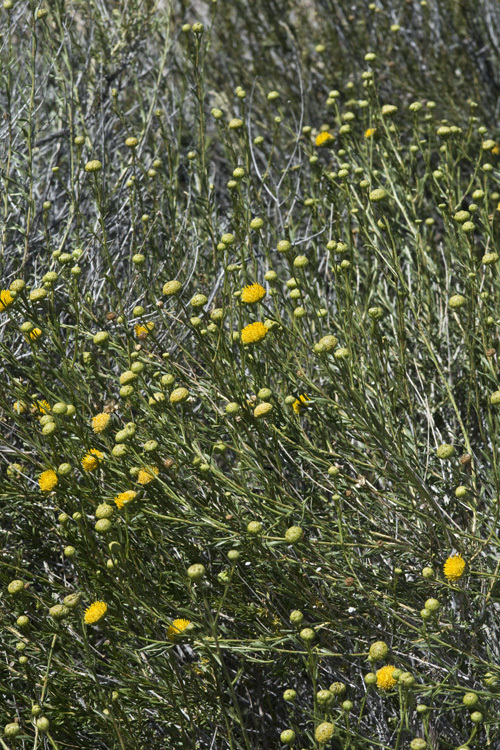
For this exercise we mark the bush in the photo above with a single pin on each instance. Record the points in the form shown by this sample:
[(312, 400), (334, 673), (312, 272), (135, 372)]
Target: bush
[(249, 336)]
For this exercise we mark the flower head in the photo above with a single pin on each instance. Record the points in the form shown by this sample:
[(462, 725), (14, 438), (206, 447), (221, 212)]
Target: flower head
[(90, 462), (385, 680), (454, 567), (142, 331), (95, 612), (253, 332), (43, 406), (176, 628), (47, 480), (300, 403), (6, 299), (253, 293), (100, 422), (125, 497), (147, 474), (324, 139), (370, 132)]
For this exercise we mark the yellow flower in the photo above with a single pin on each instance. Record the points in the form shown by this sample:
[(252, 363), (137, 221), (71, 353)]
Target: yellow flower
[(95, 612), (252, 293), (324, 139), (147, 474), (253, 332), (47, 480), (34, 334), (100, 422), (300, 403), (370, 132), (90, 462), (43, 406), (454, 567), (6, 299), (385, 680), (19, 407), (495, 150), (142, 331), (125, 497), (176, 628)]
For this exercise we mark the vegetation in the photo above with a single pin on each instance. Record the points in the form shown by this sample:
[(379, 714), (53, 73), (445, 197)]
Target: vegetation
[(249, 334)]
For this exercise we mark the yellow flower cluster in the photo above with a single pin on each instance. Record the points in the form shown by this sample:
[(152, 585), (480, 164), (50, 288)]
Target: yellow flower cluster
[(300, 403), (147, 474), (125, 497), (90, 462), (253, 333), (47, 480), (43, 406), (324, 139), (6, 299), (454, 567), (385, 680), (95, 612), (100, 422), (142, 331), (176, 628), (252, 293)]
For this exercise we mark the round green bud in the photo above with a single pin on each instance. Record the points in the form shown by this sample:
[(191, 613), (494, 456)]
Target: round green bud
[(377, 195), (463, 491), (289, 695), (375, 313), (337, 688), (264, 394), (22, 621), (72, 600), (235, 123), (489, 259), (49, 428), (232, 408), (59, 611), (428, 573), (256, 223), (378, 651), (456, 301), (77, 516), (15, 587), (307, 635), (126, 391), (196, 572), (324, 732), (43, 724), (347, 706), (103, 526), (418, 744), (93, 166), (11, 730), (254, 528), (296, 617), (104, 510), (432, 605), (233, 555), (287, 737), (294, 534), (69, 551), (445, 451), (150, 445), (422, 709), (199, 300), (476, 717), (300, 261), (407, 680), (118, 451), (370, 678), (470, 700), (283, 246), (179, 395), (101, 338), (324, 697), (468, 227), (171, 287), (37, 294)]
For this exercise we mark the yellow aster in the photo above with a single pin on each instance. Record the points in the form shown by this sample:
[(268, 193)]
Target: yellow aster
[(454, 567), (385, 680), (34, 334), (90, 462), (47, 480), (141, 331), (252, 293), (300, 403), (253, 332), (100, 422), (95, 612), (43, 406), (324, 139), (176, 628), (6, 299), (125, 497), (147, 474)]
